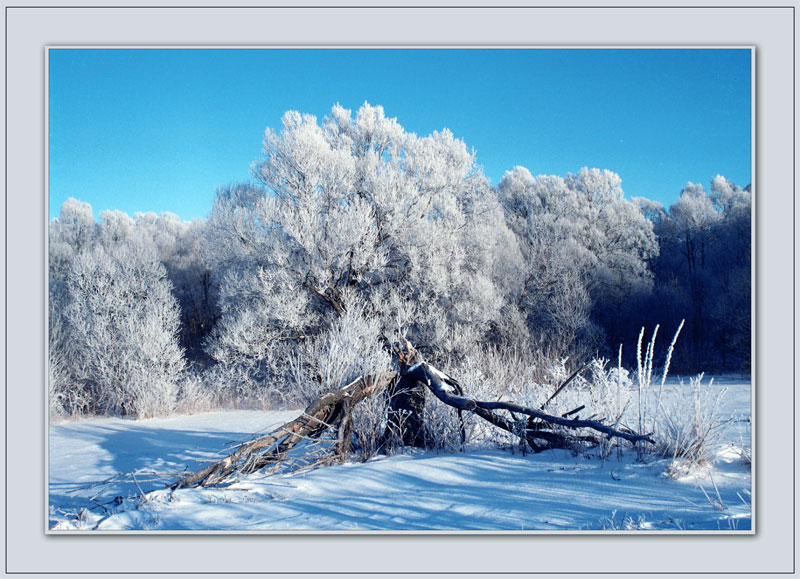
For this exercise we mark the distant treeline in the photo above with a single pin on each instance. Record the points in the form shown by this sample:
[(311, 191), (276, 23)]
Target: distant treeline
[(354, 232)]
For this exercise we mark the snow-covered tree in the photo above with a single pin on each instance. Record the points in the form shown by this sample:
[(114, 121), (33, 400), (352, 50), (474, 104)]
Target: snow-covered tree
[(616, 234), (704, 274), (584, 246), (113, 321), (356, 195), (72, 233), (115, 228), (356, 205), (123, 330), (75, 226)]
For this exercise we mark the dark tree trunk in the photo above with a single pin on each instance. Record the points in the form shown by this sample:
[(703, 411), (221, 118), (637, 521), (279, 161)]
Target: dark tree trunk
[(406, 400), (406, 411)]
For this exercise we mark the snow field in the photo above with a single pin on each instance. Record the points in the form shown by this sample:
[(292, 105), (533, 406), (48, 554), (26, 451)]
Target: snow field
[(481, 490)]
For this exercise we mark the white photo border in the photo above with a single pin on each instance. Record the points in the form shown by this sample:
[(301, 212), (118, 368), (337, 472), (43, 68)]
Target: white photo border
[(30, 29)]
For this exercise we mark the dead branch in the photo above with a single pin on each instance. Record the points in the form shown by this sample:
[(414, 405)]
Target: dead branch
[(564, 385), (450, 392), (332, 413), (328, 410)]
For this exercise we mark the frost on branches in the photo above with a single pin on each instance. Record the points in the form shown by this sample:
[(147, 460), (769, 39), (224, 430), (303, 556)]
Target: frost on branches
[(354, 233)]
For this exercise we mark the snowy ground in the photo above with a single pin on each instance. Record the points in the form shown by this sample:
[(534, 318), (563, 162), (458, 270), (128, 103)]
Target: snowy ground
[(483, 490)]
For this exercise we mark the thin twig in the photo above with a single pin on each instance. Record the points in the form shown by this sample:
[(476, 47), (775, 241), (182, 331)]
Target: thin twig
[(564, 385)]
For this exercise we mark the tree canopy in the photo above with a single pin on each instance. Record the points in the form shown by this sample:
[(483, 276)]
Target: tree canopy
[(353, 233)]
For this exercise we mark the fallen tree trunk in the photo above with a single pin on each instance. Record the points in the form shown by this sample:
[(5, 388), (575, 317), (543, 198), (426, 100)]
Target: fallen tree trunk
[(444, 388), (333, 411)]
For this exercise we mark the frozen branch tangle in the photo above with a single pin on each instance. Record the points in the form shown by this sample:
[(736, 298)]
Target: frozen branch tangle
[(332, 413)]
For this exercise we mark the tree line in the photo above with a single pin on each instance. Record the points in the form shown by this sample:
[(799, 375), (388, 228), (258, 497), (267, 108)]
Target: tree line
[(354, 232)]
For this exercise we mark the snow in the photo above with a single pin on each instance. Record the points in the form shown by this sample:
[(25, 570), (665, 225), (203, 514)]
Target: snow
[(480, 490), (415, 366), (443, 378)]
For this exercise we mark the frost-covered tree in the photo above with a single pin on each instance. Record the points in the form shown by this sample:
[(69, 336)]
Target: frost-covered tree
[(261, 300), (731, 309), (75, 226), (113, 321), (729, 198), (115, 228), (71, 234), (538, 212), (182, 247), (355, 205), (585, 249), (123, 329), (653, 211), (688, 236), (619, 239), (704, 275), (356, 195)]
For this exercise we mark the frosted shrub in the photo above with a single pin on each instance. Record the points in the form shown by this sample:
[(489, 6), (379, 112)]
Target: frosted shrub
[(610, 395), (248, 383), (55, 387), (493, 373), (261, 316), (487, 373), (483, 376), (350, 348), (369, 425), (609, 389), (65, 398), (689, 429), (232, 383), (258, 310), (194, 394), (442, 427)]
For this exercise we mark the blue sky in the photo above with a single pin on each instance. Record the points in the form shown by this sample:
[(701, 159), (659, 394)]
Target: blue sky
[(160, 130)]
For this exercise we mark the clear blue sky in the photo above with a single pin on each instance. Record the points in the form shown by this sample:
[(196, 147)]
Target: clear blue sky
[(159, 130)]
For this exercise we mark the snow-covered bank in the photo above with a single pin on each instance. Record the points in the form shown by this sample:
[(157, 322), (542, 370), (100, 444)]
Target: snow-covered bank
[(481, 490)]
